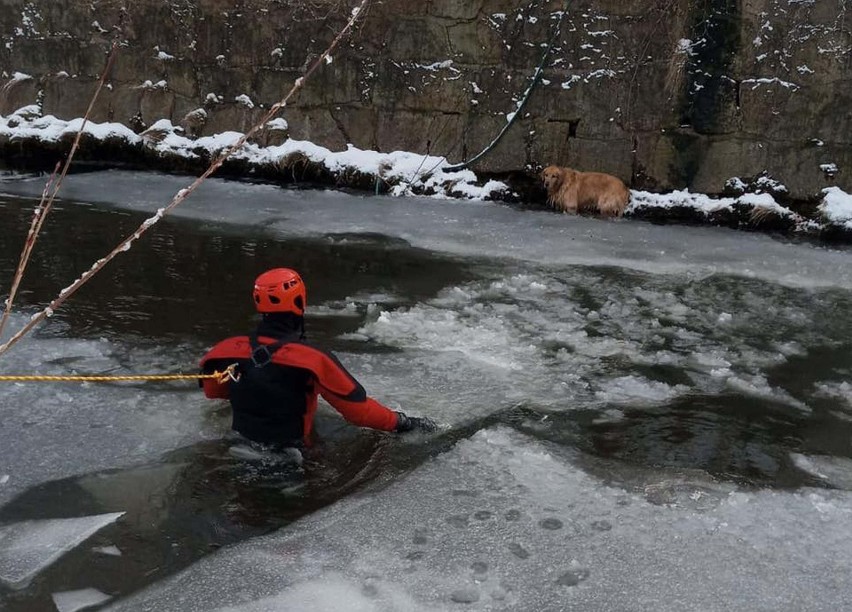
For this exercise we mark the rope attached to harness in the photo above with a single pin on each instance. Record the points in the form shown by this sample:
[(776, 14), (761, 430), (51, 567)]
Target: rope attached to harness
[(224, 376)]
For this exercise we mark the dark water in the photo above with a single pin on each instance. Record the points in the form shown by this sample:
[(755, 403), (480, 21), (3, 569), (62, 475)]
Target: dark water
[(187, 283), (192, 280)]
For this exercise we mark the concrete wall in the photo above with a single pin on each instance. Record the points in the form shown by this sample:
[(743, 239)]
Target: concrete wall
[(663, 93)]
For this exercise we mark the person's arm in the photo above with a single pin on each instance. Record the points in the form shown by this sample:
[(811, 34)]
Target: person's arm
[(213, 389), (361, 411), (218, 359), (345, 394)]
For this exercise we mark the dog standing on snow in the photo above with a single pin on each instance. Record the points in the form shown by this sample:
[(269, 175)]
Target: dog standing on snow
[(570, 190)]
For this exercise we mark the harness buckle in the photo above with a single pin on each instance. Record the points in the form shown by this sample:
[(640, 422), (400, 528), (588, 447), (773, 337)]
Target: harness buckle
[(265, 356), (230, 374)]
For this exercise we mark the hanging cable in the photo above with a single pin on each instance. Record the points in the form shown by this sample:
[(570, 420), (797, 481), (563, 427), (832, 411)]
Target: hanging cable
[(535, 79)]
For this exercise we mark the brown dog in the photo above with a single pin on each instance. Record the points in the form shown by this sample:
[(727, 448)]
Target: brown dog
[(570, 190)]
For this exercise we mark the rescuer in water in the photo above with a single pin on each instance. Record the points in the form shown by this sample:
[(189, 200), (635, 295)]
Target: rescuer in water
[(279, 375)]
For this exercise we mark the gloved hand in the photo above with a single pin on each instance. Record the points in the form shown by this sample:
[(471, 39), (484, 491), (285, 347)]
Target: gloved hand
[(408, 423)]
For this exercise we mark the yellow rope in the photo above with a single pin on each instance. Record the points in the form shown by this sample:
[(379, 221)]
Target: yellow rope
[(227, 374)]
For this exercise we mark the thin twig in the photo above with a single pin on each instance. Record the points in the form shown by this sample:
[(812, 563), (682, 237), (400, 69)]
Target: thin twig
[(49, 195), (35, 226), (182, 194)]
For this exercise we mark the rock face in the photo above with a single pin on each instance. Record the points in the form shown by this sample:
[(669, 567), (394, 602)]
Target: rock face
[(666, 94)]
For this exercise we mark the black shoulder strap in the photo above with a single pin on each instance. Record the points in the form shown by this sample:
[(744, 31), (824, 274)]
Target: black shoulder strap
[(261, 354)]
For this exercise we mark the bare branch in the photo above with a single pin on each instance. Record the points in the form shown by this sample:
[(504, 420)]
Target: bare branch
[(49, 195), (182, 194), (35, 227)]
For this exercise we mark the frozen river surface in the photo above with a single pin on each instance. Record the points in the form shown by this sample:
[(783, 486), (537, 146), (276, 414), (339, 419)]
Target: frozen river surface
[(635, 417)]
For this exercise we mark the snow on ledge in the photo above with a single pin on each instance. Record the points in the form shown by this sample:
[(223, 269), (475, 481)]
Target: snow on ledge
[(405, 173), (836, 207), (21, 124), (697, 201)]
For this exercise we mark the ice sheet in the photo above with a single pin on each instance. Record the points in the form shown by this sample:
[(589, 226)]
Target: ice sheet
[(835, 471), (544, 330), (468, 228), (72, 601), (502, 522), (580, 337), (26, 548), (52, 428)]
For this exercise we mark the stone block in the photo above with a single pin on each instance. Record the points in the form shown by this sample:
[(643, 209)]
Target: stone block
[(17, 93)]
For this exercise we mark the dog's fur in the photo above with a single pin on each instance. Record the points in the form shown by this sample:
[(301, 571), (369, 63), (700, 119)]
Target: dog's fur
[(570, 190)]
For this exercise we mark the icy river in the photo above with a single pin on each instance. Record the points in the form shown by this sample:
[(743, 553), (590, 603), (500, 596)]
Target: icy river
[(634, 416)]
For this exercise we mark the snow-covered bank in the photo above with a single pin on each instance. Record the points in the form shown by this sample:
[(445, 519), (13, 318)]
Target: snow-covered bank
[(398, 172), (754, 204)]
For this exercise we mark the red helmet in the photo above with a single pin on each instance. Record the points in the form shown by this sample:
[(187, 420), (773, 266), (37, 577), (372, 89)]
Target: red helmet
[(280, 290)]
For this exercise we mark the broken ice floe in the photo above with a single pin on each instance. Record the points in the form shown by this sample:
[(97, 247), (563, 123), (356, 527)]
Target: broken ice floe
[(27, 547)]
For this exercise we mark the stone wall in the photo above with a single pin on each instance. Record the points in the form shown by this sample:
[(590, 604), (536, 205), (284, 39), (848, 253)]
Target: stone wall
[(663, 93)]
